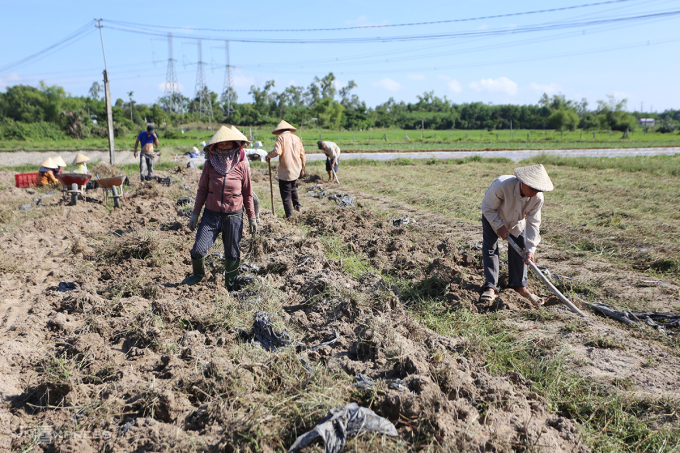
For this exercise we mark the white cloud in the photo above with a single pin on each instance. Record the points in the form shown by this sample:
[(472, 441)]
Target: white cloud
[(451, 83), (499, 85), (241, 80), (292, 83), (362, 21), (388, 84), (11, 80), (454, 86), (416, 76), (620, 95), (549, 89)]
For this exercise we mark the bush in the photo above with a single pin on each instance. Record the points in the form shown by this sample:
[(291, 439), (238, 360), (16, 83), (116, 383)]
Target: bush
[(11, 130), (666, 127)]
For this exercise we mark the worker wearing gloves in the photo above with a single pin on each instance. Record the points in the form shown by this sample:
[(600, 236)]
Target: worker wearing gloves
[(148, 139), (291, 165), (46, 173), (512, 206), (332, 152), (224, 189)]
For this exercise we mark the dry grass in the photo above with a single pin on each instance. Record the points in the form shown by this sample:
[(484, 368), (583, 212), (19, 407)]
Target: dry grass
[(142, 243), (591, 213)]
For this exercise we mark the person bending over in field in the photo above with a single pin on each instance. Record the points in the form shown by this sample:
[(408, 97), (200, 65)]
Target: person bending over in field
[(332, 152), (512, 206), (46, 173)]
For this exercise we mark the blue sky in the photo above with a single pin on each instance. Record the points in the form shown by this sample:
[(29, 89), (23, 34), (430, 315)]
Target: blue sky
[(496, 60)]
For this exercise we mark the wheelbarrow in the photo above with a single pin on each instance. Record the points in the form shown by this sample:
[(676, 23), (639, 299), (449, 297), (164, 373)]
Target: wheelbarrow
[(74, 180), (114, 183)]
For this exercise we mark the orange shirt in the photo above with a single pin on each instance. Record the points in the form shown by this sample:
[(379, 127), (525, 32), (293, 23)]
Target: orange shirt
[(292, 156), (47, 178)]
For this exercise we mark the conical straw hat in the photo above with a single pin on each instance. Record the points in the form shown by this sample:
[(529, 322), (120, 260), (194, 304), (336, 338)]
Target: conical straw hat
[(283, 126), (80, 159), (535, 177), (59, 162), (225, 134), (48, 163), (243, 137)]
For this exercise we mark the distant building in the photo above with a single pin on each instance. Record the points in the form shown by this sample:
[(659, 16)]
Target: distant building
[(647, 122)]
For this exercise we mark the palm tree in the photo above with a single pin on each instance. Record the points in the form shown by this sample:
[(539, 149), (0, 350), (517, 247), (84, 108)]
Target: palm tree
[(130, 94)]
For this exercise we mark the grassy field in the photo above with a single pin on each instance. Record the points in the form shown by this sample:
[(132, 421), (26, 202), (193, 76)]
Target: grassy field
[(388, 139), (622, 210)]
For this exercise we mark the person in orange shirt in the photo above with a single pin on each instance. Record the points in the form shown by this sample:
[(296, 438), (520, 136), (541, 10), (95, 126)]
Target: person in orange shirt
[(46, 176), (292, 162)]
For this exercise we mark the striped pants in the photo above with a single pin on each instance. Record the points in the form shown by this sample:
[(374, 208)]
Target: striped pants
[(212, 223)]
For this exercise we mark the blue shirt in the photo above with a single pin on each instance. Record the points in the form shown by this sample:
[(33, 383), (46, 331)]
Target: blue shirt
[(144, 137)]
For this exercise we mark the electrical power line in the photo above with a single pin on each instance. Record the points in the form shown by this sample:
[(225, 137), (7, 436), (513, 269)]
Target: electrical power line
[(358, 27), (429, 36), (80, 33)]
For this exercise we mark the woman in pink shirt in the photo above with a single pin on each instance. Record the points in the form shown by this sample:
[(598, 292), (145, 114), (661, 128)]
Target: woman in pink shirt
[(224, 189)]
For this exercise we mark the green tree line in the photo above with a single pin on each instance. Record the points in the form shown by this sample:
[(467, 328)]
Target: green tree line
[(48, 112)]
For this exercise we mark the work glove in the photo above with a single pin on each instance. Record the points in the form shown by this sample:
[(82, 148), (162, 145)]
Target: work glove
[(253, 226), (193, 222)]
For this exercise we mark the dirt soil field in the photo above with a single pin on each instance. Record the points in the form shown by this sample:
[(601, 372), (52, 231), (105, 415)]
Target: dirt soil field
[(131, 360)]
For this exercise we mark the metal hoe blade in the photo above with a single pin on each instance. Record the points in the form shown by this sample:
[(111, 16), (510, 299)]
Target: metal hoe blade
[(557, 292)]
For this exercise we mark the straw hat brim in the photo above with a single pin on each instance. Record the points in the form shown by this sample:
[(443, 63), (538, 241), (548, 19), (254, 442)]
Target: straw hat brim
[(226, 134), (48, 163), (80, 159), (283, 126), (535, 177), (240, 134), (59, 161)]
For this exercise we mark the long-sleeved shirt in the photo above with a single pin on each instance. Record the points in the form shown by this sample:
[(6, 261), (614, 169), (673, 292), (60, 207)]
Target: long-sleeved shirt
[(331, 150), (292, 156), (79, 168), (46, 178), (225, 193), (504, 205)]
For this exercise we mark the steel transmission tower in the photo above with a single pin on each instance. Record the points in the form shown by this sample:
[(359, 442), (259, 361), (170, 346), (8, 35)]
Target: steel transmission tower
[(171, 83), (228, 87), (202, 93)]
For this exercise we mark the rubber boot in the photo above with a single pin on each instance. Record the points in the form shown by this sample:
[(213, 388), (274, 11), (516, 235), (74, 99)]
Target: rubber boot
[(230, 273), (199, 272)]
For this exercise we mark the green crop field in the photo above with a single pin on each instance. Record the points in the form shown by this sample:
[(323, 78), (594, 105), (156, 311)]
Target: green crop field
[(187, 136)]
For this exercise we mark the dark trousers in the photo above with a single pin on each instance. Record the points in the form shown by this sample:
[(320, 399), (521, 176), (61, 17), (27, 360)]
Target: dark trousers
[(146, 166), (517, 270), (289, 195), (212, 223)]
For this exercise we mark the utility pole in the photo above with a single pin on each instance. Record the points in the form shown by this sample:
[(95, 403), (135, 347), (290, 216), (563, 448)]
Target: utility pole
[(107, 94)]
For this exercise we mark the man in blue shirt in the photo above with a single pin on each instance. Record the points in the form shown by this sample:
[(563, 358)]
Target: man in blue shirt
[(148, 139)]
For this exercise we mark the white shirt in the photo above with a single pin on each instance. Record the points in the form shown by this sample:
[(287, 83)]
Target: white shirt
[(503, 205), (331, 150)]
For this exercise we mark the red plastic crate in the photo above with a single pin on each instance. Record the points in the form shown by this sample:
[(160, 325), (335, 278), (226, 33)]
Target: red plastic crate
[(26, 179)]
